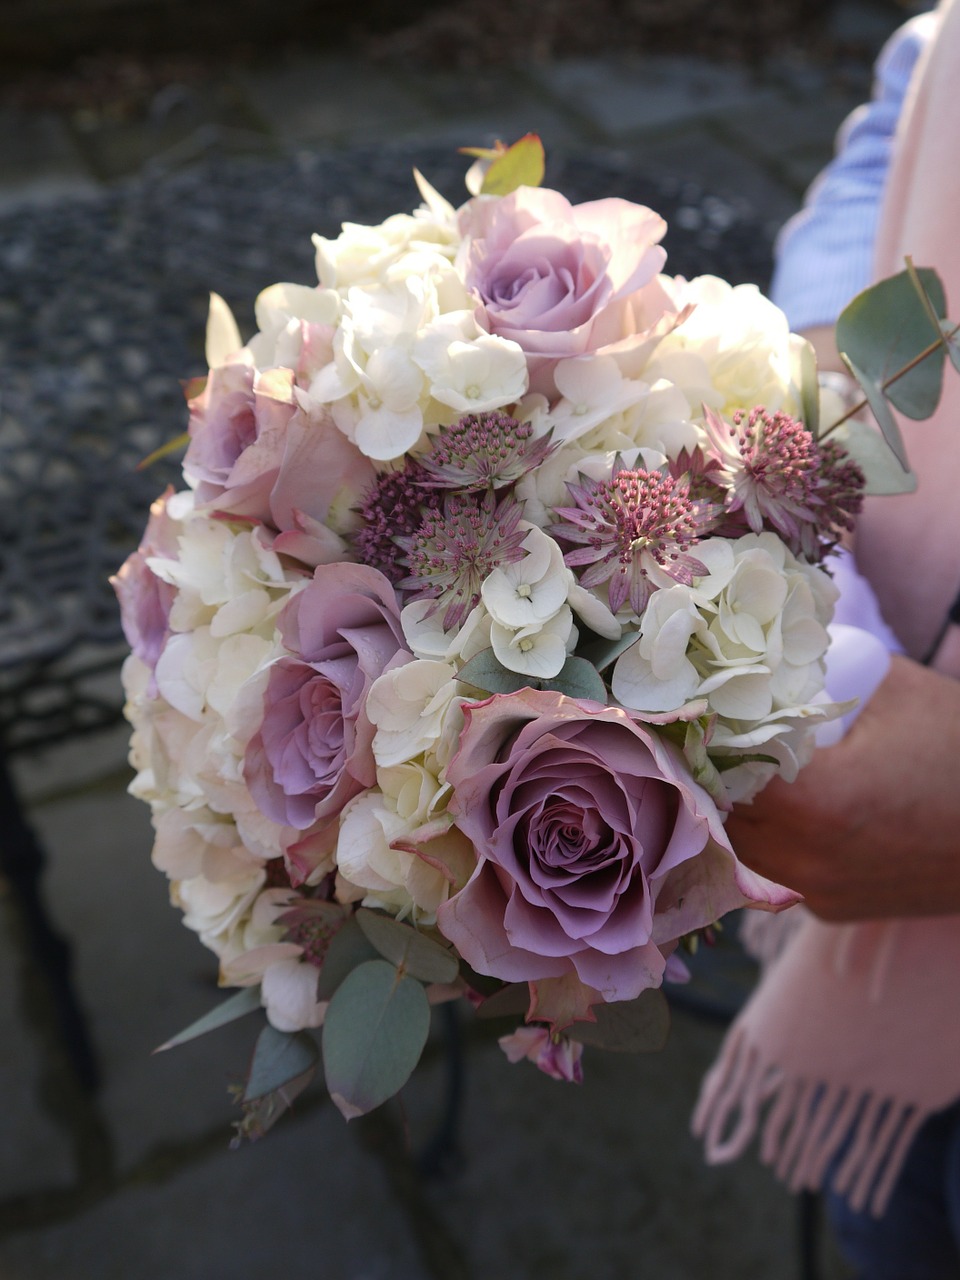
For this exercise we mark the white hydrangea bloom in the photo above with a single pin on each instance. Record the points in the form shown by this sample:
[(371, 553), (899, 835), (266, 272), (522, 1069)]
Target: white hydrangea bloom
[(373, 828), (538, 650), (412, 707), (733, 351), (749, 636)]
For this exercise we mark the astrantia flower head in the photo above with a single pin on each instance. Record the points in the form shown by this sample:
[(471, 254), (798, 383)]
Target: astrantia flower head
[(393, 505), (483, 451), (841, 494), (778, 476), (627, 528), (455, 548)]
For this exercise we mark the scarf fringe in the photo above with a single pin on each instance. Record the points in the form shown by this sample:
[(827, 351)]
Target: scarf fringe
[(808, 1128)]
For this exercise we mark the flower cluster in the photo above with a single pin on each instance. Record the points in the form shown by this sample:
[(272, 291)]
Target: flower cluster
[(496, 578)]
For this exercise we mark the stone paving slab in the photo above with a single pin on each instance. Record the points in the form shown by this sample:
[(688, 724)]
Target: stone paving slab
[(139, 974), (309, 1201), (34, 1152)]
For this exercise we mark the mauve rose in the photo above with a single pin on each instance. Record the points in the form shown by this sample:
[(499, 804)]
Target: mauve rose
[(563, 280), (313, 750), (145, 600), (583, 821), (237, 428), (256, 454)]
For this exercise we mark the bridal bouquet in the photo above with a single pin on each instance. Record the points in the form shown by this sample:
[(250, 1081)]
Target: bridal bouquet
[(496, 578)]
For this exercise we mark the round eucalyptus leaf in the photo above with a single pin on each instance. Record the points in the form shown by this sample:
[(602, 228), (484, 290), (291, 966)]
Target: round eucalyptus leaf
[(373, 1034), (279, 1057)]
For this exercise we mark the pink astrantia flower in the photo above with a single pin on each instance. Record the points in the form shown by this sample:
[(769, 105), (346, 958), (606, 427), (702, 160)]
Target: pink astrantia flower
[(628, 529), (313, 750), (779, 476), (455, 548), (564, 280), (585, 823)]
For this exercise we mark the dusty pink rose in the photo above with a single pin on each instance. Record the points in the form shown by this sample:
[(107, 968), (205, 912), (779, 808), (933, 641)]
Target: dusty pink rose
[(254, 453), (584, 822), (313, 750), (563, 280), (237, 430), (145, 600)]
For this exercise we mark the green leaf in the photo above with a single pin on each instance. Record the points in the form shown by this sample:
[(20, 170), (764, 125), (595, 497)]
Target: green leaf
[(236, 1006), (348, 949), (888, 326), (279, 1058), (178, 442), (419, 956), (628, 1026), (870, 451), (521, 165), (373, 1034), (881, 411), (603, 653), (485, 671), (578, 678)]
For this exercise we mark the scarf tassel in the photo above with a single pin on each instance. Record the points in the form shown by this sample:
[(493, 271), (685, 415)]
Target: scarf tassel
[(810, 1131)]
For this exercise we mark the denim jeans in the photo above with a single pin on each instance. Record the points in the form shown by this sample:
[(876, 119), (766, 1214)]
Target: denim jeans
[(918, 1237)]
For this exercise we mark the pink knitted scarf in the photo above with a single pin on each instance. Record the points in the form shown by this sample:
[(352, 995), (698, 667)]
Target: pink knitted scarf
[(852, 1038)]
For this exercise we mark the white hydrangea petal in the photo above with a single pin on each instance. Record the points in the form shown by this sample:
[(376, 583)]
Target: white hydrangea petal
[(741, 695), (383, 435), (589, 380), (244, 611), (528, 651), (635, 685), (593, 611)]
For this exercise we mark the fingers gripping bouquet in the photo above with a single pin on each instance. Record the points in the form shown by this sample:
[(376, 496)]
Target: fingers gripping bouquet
[(496, 579)]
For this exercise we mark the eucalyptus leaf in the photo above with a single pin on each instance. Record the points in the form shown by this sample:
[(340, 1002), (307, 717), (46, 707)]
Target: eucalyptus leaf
[(628, 1026), (349, 947), (279, 1058), (521, 165), (419, 956), (261, 1114), (881, 411), (486, 671), (870, 451), (888, 326), (236, 1006), (603, 653), (373, 1035), (578, 678)]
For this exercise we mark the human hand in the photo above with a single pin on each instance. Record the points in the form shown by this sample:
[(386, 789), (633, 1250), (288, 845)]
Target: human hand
[(871, 828)]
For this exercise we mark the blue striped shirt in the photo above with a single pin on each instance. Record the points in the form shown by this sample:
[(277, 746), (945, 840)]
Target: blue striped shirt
[(824, 254)]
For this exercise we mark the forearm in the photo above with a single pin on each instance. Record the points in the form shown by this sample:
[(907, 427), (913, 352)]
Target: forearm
[(871, 828)]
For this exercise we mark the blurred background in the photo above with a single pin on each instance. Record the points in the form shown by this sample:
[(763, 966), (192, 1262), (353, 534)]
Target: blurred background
[(152, 151)]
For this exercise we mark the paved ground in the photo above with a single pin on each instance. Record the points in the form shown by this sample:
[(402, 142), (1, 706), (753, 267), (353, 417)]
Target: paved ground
[(596, 1183)]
